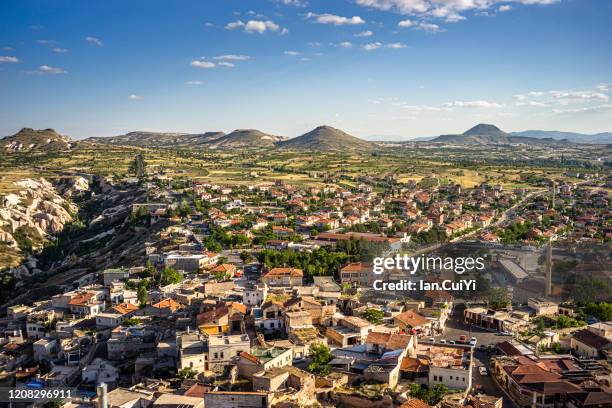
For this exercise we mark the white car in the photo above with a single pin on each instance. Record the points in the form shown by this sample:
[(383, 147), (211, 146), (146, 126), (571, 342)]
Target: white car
[(442, 341), (482, 370)]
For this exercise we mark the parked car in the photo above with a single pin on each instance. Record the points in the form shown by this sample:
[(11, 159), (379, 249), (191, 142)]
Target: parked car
[(452, 342), (482, 370), (432, 339), (442, 341), (462, 338)]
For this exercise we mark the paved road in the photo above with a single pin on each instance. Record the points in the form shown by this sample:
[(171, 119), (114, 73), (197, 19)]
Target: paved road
[(455, 328)]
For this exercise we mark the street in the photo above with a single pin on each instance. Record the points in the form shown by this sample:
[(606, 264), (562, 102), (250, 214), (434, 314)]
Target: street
[(454, 328)]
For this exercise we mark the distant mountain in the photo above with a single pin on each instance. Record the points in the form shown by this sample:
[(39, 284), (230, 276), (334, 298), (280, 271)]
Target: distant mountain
[(597, 138), (245, 138), (159, 139), (28, 139), (484, 134), (324, 139)]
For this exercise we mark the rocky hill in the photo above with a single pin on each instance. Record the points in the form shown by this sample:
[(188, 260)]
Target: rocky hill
[(28, 139), (326, 139), (485, 134), (596, 138), (35, 211), (159, 139), (245, 138)]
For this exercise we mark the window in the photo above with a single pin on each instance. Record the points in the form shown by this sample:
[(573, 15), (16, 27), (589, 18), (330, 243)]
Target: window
[(221, 354), (215, 355)]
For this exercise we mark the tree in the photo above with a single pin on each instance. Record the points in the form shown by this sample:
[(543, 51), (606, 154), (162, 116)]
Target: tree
[(246, 257), (374, 316), (321, 356), (170, 276), (186, 373), (142, 295), (498, 298)]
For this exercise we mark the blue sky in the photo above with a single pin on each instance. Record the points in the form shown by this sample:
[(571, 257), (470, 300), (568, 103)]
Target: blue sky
[(375, 68)]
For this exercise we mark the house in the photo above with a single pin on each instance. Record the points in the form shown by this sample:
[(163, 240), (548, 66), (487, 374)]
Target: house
[(177, 401), (588, 344), (349, 330), (412, 322), (87, 303), (449, 365), (192, 352), (283, 277), (223, 349), (356, 274), (223, 318), (163, 308), (124, 398), (115, 275), (543, 307), (99, 371), (262, 359), (254, 294), (233, 399)]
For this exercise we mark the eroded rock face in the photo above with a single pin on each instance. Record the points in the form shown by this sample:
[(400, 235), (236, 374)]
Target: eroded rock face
[(37, 207)]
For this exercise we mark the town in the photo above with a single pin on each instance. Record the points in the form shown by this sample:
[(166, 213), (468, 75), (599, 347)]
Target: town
[(263, 294)]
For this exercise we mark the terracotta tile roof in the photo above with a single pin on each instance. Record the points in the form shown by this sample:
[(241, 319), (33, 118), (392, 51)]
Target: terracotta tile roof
[(167, 303), (81, 299), (249, 357), (390, 341), (414, 364), (412, 319), (125, 308), (415, 403), (293, 272)]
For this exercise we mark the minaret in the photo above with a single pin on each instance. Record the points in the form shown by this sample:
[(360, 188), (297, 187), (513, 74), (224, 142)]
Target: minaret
[(548, 269), (552, 195)]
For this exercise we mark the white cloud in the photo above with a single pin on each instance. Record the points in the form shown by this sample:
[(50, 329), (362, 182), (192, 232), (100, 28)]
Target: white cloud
[(8, 49), (405, 23), (134, 97), (574, 96), (46, 42), (256, 26), (366, 33), (372, 46), (232, 57), (5, 59), (195, 82), (292, 53), (226, 64), (376, 45), (603, 87), (590, 109), (202, 64), (530, 94), (535, 104), (429, 27), (314, 44), (473, 104), (327, 18), (421, 108), (95, 41), (60, 50), (447, 10), (346, 44), (295, 3), (48, 70)]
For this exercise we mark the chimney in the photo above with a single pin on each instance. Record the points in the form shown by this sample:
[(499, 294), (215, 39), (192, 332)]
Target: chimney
[(102, 396)]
